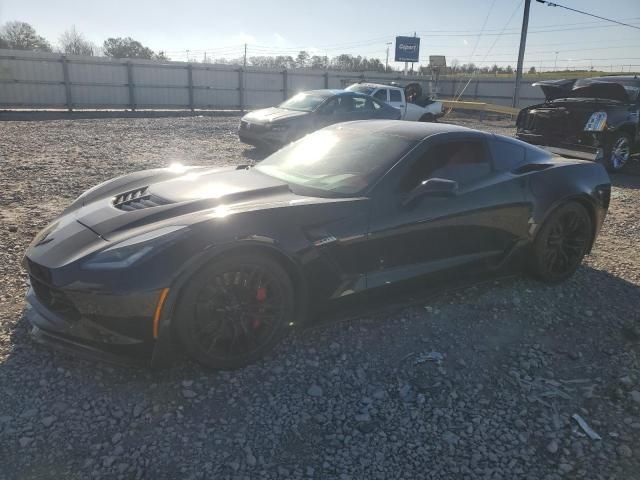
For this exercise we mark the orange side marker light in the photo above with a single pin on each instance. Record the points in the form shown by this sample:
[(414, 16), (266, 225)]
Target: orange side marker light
[(156, 316)]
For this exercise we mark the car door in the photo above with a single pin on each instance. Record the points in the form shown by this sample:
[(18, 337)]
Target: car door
[(382, 95), (474, 228), (396, 99), (337, 109)]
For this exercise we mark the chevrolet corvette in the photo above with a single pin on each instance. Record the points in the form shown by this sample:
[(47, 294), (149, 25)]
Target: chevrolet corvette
[(219, 263)]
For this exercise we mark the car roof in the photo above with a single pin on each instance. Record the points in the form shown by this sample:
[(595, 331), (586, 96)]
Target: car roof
[(414, 131), (332, 92), (377, 85), (610, 78)]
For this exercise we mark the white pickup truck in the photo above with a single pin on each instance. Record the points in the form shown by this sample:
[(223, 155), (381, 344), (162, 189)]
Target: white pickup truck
[(425, 110)]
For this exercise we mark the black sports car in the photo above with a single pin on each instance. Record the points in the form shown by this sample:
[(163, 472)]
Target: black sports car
[(222, 261), (590, 118), (309, 111)]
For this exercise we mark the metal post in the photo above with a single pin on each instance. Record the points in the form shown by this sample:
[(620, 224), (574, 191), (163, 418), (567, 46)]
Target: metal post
[(475, 93), (326, 79), (132, 92), (523, 43), (386, 63), (241, 88), (285, 86), (67, 83), (244, 63), (190, 87)]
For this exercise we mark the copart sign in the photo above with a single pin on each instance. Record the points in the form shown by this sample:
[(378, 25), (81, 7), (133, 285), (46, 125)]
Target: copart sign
[(407, 49)]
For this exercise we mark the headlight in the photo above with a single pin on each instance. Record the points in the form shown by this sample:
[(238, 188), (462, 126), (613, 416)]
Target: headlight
[(279, 127), (127, 252), (596, 123)]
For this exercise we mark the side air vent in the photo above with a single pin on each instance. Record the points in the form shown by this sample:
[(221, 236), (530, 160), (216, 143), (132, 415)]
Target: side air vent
[(137, 200), (531, 167)]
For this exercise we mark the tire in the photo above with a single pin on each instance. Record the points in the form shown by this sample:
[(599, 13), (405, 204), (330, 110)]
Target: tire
[(428, 117), (561, 243), (235, 310), (616, 152)]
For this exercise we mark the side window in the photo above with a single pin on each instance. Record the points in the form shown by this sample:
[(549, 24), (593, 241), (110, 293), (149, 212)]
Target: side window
[(362, 104), (345, 104), (395, 96), (465, 162), (381, 95), (330, 106), (507, 155)]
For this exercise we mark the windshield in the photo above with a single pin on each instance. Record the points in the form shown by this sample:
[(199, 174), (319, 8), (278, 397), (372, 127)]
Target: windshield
[(303, 102), (360, 89), (338, 161)]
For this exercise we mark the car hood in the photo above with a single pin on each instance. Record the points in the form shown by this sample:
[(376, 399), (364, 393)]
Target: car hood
[(557, 89), (273, 114), (177, 200)]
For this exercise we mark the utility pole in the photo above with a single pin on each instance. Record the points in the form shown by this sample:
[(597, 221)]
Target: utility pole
[(386, 63), (523, 43), (555, 64), (244, 63)]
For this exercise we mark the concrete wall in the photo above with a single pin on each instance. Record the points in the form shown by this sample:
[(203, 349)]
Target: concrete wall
[(48, 80)]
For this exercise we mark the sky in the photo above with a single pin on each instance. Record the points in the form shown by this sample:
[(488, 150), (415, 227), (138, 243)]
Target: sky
[(479, 31)]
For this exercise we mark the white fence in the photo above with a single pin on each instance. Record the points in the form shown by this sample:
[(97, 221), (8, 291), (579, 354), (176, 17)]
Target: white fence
[(34, 80)]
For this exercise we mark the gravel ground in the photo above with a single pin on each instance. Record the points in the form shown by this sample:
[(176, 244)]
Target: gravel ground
[(481, 382)]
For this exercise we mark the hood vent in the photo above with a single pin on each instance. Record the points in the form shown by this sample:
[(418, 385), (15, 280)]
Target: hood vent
[(137, 199)]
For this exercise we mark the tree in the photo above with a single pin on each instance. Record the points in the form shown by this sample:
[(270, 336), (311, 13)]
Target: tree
[(302, 59), (532, 71), (508, 69), (127, 48), (318, 62), (22, 36), (73, 42), (163, 56)]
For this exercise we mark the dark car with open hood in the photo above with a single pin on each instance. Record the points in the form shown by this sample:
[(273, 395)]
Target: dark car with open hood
[(589, 118), (220, 262)]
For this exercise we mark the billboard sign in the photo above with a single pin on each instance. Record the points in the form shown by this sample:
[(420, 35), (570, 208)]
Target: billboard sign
[(437, 61), (407, 49)]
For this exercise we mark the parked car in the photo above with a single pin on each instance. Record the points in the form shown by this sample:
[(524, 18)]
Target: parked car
[(221, 261), (307, 112), (591, 118), (418, 108)]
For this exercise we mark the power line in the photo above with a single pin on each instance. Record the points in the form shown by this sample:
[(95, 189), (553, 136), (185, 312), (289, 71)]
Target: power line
[(551, 4)]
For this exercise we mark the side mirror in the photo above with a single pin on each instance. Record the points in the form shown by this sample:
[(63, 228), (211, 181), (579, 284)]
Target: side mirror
[(434, 187)]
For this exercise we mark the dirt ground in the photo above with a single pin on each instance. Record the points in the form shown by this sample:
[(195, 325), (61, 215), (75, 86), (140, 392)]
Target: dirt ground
[(351, 399)]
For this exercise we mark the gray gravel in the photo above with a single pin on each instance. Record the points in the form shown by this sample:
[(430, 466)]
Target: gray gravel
[(481, 382)]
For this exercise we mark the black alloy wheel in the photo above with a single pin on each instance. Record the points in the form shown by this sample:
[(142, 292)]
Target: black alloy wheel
[(562, 243), (235, 310)]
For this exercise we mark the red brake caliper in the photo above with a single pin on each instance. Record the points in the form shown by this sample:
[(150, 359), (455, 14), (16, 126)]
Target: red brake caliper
[(261, 296)]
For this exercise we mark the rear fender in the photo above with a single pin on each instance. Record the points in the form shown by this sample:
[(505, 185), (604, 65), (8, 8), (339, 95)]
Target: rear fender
[(584, 182)]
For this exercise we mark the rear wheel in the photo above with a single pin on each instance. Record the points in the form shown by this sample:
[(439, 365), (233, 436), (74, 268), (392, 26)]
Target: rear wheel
[(235, 310), (616, 153), (561, 243)]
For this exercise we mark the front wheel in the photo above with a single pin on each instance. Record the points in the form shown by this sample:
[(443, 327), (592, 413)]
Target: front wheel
[(561, 243), (235, 310), (616, 153)]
